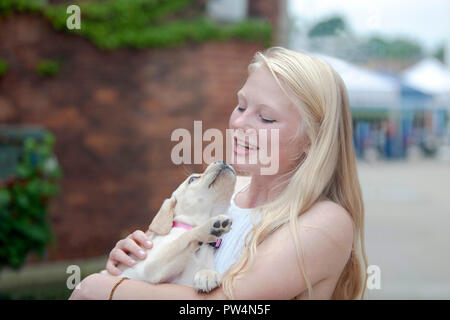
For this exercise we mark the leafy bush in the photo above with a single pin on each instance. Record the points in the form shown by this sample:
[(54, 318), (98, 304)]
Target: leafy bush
[(48, 67), (8, 6), (3, 67), (112, 24), (24, 199)]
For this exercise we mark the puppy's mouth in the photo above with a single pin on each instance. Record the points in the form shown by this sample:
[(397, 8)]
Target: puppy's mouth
[(222, 170)]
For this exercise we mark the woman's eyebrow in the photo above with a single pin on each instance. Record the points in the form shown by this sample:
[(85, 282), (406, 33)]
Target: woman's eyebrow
[(240, 93)]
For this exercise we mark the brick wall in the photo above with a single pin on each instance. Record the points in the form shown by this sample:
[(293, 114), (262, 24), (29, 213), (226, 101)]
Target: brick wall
[(269, 10), (112, 114)]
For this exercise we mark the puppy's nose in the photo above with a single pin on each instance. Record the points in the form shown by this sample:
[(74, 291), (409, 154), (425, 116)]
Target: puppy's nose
[(223, 165)]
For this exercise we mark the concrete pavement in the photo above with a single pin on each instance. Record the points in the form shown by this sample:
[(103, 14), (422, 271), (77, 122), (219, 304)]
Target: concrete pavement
[(408, 227)]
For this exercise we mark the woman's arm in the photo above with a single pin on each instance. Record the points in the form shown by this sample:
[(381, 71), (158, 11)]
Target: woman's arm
[(326, 238), (98, 287)]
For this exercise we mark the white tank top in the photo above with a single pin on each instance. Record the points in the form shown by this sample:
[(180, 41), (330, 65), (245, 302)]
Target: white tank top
[(233, 242)]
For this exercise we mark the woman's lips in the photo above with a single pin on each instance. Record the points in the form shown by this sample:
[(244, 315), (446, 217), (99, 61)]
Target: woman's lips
[(243, 148)]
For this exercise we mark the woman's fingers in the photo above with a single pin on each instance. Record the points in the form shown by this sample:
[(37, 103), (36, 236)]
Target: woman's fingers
[(112, 269), (129, 245), (141, 239), (117, 256)]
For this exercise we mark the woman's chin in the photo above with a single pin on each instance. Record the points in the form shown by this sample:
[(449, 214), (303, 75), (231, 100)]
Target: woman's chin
[(247, 169)]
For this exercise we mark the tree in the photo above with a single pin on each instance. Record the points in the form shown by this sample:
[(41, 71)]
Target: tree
[(329, 27), (440, 54), (378, 47)]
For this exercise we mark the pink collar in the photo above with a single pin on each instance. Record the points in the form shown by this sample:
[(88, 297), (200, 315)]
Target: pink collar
[(177, 224)]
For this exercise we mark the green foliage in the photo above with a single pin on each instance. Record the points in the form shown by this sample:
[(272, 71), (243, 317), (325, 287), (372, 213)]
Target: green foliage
[(397, 49), (3, 67), (48, 67), (329, 27), (8, 6), (440, 54), (24, 226), (112, 24)]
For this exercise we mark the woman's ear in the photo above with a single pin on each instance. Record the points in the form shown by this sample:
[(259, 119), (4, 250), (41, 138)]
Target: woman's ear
[(163, 220)]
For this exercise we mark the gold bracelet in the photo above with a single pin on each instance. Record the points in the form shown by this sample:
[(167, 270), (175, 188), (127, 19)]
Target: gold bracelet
[(115, 286)]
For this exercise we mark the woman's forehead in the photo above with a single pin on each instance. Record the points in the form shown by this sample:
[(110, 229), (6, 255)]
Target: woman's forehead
[(262, 78), (262, 88)]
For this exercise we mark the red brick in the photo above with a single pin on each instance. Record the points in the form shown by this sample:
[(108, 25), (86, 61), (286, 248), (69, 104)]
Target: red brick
[(113, 114)]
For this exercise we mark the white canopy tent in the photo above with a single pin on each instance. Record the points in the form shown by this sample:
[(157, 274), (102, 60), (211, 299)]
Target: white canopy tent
[(366, 88), (431, 77)]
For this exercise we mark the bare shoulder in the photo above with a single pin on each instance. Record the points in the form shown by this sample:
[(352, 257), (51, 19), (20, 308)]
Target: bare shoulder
[(331, 219), (325, 234)]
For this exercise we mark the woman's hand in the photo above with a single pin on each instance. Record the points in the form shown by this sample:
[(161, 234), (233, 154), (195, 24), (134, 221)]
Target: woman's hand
[(131, 245)]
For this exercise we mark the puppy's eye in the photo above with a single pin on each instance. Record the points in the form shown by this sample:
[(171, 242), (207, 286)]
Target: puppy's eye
[(193, 179)]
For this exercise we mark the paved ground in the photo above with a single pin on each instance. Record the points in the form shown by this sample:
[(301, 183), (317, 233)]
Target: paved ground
[(408, 227)]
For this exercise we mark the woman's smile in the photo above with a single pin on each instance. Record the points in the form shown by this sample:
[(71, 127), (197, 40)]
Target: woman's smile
[(243, 148)]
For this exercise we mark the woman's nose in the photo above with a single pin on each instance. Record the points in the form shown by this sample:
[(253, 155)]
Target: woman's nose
[(242, 128), (242, 121)]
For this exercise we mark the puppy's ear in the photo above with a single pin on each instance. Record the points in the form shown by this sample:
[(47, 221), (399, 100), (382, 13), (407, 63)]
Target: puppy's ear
[(162, 222)]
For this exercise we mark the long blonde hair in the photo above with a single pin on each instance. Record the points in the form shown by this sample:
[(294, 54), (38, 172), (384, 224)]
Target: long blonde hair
[(327, 169)]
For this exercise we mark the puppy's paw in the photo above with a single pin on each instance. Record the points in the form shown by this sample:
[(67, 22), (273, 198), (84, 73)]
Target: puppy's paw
[(212, 229), (206, 280), (220, 225)]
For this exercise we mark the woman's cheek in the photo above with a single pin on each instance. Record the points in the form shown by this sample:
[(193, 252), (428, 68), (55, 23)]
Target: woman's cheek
[(285, 149)]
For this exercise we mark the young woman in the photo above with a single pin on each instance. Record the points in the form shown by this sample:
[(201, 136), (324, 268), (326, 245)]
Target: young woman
[(298, 233)]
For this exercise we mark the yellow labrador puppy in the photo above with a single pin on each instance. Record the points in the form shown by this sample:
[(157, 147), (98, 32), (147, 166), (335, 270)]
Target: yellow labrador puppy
[(183, 229)]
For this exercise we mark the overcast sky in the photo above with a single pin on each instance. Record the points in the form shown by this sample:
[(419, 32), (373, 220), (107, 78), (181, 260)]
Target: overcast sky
[(428, 21)]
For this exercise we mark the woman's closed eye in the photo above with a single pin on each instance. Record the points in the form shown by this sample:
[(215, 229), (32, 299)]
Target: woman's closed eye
[(265, 120)]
